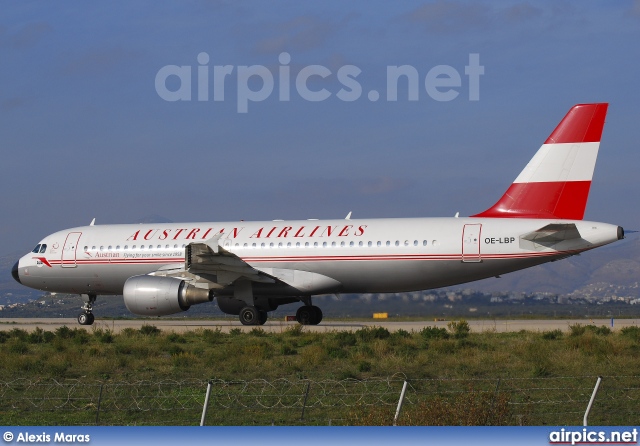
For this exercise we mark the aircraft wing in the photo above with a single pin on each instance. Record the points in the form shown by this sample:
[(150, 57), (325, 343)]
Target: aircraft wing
[(209, 258), (209, 265)]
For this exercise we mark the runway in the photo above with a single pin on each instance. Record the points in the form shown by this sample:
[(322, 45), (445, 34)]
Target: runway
[(277, 326)]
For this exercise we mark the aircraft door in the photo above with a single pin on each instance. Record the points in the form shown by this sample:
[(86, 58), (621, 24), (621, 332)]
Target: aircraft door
[(69, 250), (471, 243)]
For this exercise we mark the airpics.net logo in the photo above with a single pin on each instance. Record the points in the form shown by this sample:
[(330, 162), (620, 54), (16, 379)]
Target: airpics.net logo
[(257, 83)]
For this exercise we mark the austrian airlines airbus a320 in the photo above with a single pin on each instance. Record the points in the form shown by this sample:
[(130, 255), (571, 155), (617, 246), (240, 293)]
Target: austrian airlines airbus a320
[(251, 268)]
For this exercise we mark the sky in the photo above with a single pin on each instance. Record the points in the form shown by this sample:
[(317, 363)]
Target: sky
[(90, 126)]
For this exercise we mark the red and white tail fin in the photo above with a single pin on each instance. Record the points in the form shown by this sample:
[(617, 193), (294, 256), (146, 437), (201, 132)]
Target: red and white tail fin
[(556, 182)]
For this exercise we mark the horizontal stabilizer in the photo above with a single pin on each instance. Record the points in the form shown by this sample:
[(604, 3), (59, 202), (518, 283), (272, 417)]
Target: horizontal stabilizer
[(553, 233)]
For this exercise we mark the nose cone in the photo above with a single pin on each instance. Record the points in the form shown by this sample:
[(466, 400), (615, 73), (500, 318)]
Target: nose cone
[(14, 273)]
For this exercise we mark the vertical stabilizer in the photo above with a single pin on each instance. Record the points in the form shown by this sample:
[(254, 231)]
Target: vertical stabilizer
[(556, 182)]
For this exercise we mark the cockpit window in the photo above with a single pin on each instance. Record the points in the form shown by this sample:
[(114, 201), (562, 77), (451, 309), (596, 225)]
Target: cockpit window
[(43, 249), (36, 250)]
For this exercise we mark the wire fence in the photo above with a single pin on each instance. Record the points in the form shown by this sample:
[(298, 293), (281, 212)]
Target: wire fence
[(520, 401)]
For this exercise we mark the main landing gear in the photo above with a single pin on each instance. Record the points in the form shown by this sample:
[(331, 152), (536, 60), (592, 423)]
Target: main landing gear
[(87, 317), (309, 315), (250, 315)]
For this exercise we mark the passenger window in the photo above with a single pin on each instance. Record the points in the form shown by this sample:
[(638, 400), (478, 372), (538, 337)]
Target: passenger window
[(388, 243), (424, 243), (253, 245), (270, 245), (360, 243), (279, 245), (262, 245), (133, 247), (406, 243), (86, 248), (315, 244), (93, 248), (342, 244), (102, 248), (379, 243), (175, 246), (184, 246), (297, 244), (126, 247), (324, 244), (141, 247), (333, 243), (415, 243), (397, 243), (369, 244), (306, 244), (350, 243), (166, 247), (289, 245)]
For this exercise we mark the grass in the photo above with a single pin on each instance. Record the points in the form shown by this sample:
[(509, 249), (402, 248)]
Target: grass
[(449, 370)]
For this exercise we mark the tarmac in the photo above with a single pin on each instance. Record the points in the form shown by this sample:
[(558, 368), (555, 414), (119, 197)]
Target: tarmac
[(279, 325)]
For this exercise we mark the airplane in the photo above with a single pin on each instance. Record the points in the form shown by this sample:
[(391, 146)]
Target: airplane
[(251, 268)]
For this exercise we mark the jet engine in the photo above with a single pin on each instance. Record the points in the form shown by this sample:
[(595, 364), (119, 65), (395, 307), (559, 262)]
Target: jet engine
[(159, 296)]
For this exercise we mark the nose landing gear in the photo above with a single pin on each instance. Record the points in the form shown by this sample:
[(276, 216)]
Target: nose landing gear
[(87, 317)]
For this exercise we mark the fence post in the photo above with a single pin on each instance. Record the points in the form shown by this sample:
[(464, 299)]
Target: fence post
[(493, 403), (206, 404), (304, 403), (99, 401), (404, 389), (593, 397)]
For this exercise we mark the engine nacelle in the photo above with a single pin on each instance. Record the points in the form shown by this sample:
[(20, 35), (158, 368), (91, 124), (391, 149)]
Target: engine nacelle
[(159, 296)]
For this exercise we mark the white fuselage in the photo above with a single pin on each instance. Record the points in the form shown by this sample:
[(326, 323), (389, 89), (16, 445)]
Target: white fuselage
[(351, 256)]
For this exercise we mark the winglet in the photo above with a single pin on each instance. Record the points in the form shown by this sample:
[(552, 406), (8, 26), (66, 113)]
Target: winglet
[(556, 182)]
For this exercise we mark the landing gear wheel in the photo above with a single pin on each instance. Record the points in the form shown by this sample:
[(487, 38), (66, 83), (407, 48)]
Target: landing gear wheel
[(263, 317), (318, 315), (86, 318), (304, 315), (309, 315), (250, 316)]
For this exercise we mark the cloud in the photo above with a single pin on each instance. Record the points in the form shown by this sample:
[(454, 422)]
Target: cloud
[(100, 60), (301, 33), (450, 16), (326, 189), (522, 12), (12, 103), (444, 16), (26, 36)]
